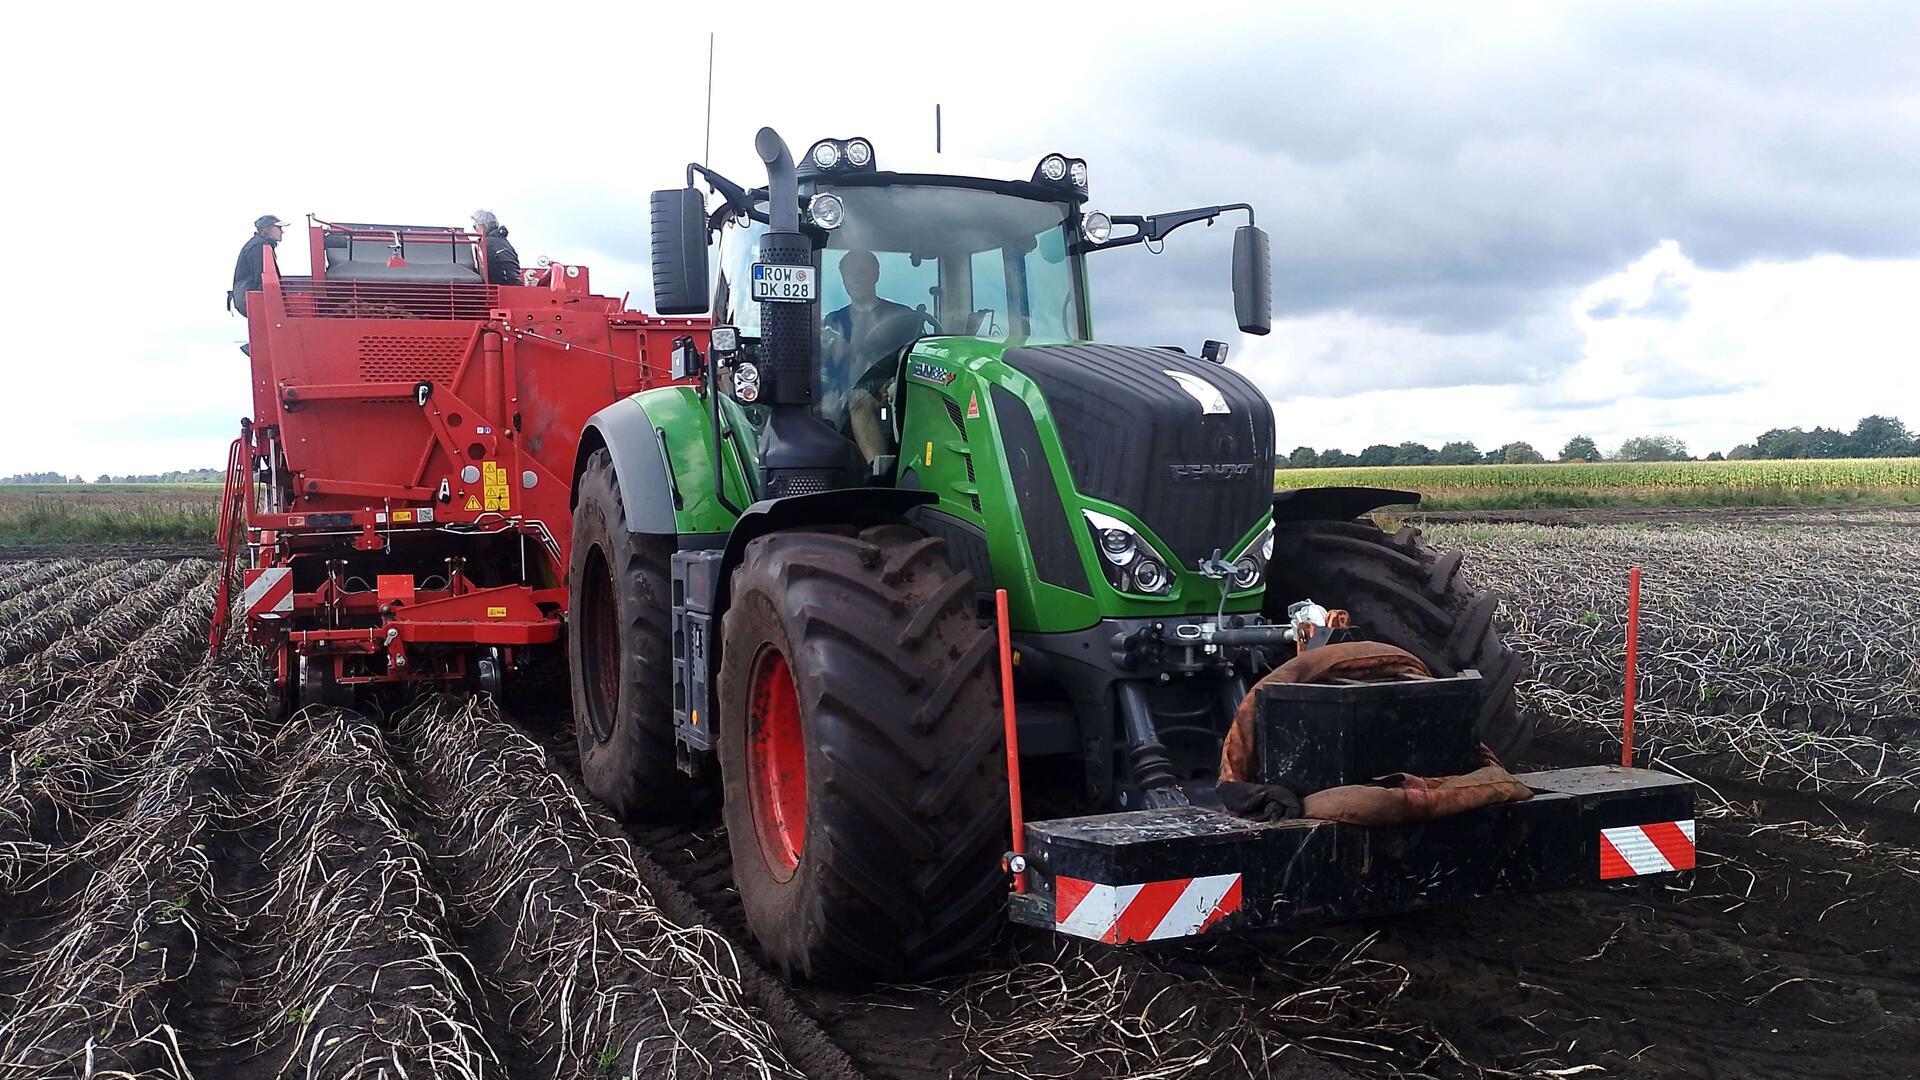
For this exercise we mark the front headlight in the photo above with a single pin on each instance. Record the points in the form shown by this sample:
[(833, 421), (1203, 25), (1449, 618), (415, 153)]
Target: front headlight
[(1130, 563), (1250, 564), (1096, 227)]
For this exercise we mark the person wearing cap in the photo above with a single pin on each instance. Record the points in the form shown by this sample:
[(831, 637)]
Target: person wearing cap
[(252, 261), (503, 263)]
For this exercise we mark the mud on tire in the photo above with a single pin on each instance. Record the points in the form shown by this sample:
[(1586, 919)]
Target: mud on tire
[(897, 872), (1401, 591), (619, 658)]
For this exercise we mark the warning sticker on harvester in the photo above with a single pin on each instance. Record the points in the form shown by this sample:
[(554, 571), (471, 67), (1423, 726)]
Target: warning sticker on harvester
[(494, 485), (473, 502), (496, 613)]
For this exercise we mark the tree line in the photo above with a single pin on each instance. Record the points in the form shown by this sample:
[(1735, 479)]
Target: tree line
[(177, 476), (1873, 436)]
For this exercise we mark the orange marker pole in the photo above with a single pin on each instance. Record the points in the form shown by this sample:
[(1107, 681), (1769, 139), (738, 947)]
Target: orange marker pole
[(1633, 665), (1019, 848)]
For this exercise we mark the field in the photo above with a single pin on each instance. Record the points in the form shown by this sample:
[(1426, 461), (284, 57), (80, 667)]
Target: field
[(1865, 481), (109, 513), (188, 888)]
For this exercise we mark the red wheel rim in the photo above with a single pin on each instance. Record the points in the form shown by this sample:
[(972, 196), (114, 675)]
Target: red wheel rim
[(776, 764)]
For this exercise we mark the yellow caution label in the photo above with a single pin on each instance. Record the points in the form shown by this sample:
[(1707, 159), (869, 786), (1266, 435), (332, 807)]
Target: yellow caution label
[(929, 460), (496, 613), (493, 482), (473, 502), (403, 515)]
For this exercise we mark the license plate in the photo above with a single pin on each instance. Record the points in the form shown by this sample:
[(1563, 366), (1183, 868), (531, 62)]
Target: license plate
[(784, 284)]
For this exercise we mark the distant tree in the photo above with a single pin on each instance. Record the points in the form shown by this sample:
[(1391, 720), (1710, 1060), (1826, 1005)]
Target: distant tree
[(1335, 459), (1459, 453), (1494, 456), (1880, 436), (1826, 442), (1521, 453), (1716, 456), (1413, 453), (1781, 443), (104, 479), (1652, 448), (1580, 448), (1377, 454), (1302, 457), (1742, 452)]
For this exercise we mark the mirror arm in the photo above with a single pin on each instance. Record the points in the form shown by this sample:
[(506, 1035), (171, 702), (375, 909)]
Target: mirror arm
[(1153, 228), (737, 198)]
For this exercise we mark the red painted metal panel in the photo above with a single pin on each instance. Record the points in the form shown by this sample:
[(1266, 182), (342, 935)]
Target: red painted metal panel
[(422, 433)]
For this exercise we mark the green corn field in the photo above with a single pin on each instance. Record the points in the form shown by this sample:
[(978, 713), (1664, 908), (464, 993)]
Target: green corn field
[(1866, 481)]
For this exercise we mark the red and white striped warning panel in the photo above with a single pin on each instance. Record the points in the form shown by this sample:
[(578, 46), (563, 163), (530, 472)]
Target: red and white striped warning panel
[(1150, 911), (269, 592), (1637, 850)]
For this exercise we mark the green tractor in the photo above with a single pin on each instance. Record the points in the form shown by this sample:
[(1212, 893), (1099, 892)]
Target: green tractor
[(785, 572)]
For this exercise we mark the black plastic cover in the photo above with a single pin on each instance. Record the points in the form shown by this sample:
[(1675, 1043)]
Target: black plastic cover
[(1134, 435), (1056, 557)]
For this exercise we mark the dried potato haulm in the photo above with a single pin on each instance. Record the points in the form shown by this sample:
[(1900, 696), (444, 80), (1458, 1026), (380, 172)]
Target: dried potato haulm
[(1788, 655), (367, 978), (103, 987), (600, 979)]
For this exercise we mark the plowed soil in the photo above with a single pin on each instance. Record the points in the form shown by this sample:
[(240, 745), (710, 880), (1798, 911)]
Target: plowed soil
[(190, 889)]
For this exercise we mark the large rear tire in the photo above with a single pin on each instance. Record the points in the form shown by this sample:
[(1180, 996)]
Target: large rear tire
[(1403, 592), (618, 656), (861, 755)]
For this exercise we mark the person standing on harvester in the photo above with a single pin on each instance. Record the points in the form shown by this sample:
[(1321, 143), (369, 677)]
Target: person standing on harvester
[(252, 261), (503, 263)]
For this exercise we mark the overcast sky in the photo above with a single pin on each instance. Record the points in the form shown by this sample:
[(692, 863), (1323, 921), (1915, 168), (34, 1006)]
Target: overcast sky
[(1528, 222)]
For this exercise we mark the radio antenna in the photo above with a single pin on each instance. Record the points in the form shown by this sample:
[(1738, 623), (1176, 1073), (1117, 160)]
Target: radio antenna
[(706, 154), (936, 127)]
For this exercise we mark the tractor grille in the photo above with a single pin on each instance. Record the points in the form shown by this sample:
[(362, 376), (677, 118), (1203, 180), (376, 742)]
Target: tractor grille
[(1133, 436)]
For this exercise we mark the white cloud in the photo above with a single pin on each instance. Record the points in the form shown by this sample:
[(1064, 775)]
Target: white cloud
[(1438, 181), (1816, 341)]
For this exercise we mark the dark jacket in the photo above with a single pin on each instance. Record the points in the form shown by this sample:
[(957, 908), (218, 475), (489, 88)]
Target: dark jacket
[(503, 263), (246, 272)]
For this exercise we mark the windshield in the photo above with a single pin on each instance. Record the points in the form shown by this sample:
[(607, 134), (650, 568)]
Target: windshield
[(919, 260)]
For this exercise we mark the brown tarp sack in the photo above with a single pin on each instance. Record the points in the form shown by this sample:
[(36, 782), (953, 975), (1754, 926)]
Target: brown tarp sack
[(1365, 660), (1416, 798)]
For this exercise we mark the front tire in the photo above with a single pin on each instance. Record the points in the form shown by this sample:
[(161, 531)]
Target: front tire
[(618, 656), (861, 753), (1403, 592)]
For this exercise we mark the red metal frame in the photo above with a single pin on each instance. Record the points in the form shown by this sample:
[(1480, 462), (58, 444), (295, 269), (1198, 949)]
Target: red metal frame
[(422, 433)]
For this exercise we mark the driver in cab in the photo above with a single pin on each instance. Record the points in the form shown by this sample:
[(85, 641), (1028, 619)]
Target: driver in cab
[(860, 339)]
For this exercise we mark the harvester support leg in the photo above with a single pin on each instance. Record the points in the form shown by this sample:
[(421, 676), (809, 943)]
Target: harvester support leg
[(1152, 770)]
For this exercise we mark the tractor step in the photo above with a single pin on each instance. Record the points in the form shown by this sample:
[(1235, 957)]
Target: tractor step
[(1150, 875)]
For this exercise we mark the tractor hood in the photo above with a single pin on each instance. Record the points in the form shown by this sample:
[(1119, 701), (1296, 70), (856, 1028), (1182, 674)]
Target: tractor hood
[(1184, 443)]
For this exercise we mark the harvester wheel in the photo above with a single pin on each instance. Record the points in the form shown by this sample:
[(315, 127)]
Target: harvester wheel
[(1403, 592), (619, 658), (861, 754)]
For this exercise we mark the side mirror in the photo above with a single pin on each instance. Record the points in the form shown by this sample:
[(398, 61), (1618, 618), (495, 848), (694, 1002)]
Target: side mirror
[(1252, 280), (680, 252)]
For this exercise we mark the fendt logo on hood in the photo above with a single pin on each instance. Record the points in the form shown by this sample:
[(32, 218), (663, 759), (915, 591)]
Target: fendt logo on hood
[(1224, 471)]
